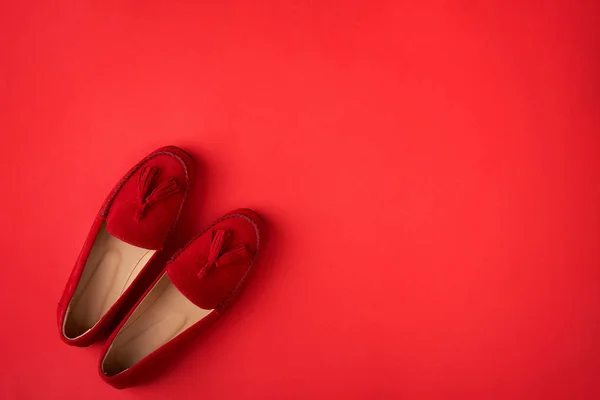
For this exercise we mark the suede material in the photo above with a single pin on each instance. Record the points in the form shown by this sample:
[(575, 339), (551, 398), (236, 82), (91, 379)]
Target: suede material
[(218, 291), (210, 290), (158, 224), (151, 230)]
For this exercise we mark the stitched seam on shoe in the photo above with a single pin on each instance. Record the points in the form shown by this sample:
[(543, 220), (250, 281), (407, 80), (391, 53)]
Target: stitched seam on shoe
[(105, 210), (243, 278)]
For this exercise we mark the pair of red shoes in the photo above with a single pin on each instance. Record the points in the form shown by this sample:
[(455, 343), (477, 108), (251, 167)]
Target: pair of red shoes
[(194, 288)]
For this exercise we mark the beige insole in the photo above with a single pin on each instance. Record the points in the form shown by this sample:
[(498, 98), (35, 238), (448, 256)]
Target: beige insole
[(161, 316), (110, 268)]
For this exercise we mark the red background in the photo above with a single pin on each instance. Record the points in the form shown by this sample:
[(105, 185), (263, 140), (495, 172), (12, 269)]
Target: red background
[(430, 175)]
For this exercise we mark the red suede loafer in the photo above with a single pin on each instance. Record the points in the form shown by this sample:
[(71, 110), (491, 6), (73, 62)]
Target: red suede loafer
[(132, 225), (199, 282)]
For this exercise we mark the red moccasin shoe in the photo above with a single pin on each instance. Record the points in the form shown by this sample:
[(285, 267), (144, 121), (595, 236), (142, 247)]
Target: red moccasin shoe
[(199, 282), (132, 225)]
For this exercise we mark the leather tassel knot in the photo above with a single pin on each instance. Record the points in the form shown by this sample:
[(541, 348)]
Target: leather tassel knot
[(148, 196), (217, 256)]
